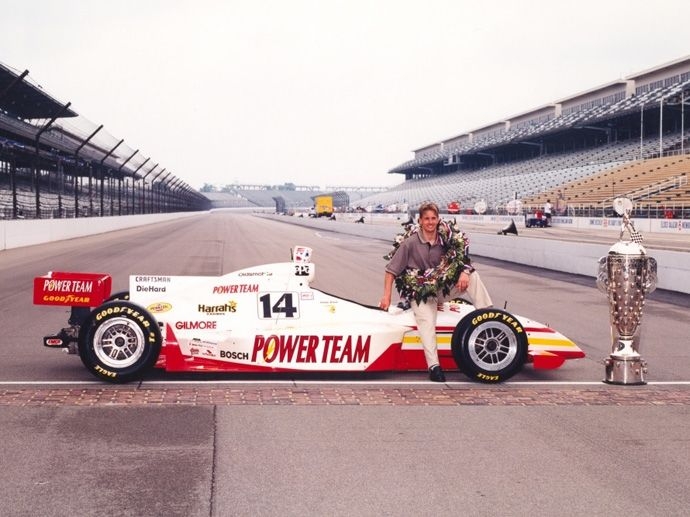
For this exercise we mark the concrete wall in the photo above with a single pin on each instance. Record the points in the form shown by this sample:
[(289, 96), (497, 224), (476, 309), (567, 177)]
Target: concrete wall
[(673, 267), (610, 224), (27, 232), (581, 258)]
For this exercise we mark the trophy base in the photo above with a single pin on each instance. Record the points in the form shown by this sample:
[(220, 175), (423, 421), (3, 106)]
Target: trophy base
[(625, 370)]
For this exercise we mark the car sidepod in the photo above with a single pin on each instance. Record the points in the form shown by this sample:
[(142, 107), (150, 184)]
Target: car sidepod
[(265, 318)]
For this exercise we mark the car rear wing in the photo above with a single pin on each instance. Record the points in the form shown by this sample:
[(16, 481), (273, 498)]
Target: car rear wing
[(80, 292), (72, 289)]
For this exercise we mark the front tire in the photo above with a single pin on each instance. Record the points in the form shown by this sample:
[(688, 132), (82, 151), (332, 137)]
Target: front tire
[(489, 345), (119, 341)]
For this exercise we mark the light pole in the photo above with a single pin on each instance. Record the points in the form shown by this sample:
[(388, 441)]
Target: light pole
[(641, 129), (661, 126), (682, 121)]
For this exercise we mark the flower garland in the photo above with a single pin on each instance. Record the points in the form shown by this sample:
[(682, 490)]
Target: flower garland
[(417, 285)]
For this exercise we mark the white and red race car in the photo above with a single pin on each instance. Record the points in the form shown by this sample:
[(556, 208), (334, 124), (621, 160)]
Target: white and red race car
[(269, 319)]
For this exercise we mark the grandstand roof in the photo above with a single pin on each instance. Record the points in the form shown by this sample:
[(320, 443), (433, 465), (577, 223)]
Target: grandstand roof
[(571, 98), (22, 99), (607, 101), (670, 64), (585, 93)]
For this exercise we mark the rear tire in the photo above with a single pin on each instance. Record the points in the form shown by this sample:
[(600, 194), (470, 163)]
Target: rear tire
[(121, 295), (489, 345), (119, 341)]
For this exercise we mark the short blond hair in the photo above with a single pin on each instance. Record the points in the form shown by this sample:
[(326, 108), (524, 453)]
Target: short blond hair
[(426, 206)]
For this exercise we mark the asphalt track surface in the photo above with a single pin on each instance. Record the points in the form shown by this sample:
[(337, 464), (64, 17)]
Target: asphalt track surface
[(545, 443)]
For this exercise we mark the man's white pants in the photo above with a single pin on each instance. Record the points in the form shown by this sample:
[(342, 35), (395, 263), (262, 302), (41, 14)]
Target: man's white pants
[(425, 314)]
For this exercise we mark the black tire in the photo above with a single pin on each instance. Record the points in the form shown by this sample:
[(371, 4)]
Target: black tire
[(119, 341), (489, 345), (121, 295)]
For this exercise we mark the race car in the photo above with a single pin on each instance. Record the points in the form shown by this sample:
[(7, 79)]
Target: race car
[(268, 318)]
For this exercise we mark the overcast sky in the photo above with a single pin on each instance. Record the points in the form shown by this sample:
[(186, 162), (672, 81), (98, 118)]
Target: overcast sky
[(322, 92)]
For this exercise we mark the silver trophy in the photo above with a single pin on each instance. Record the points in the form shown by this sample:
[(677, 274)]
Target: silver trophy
[(627, 274)]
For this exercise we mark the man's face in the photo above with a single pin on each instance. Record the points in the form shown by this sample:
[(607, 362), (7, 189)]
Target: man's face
[(428, 220)]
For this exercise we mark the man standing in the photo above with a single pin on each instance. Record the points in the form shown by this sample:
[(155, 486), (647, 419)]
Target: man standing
[(424, 251), (547, 212)]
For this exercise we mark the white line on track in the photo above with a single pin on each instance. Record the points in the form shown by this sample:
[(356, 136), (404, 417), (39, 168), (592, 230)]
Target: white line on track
[(326, 237)]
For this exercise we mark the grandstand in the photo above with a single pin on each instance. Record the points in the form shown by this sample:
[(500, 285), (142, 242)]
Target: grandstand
[(655, 185), (56, 163), (251, 196), (627, 137), (294, 197), (609, 132)]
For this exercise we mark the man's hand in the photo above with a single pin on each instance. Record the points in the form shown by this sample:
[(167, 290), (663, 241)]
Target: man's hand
[(463, 281), (385, 302), (388, 280)]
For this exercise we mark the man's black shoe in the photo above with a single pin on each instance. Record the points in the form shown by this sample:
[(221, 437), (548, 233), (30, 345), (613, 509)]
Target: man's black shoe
[(436, 374)]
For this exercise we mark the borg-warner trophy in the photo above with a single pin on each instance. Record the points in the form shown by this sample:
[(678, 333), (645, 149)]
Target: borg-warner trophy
[(627, 274)]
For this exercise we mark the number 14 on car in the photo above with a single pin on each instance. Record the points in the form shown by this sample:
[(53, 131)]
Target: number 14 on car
[(278, 305)]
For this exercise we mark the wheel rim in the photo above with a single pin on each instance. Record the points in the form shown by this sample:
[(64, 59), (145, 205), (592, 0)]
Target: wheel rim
[(492, 346), (119, 343)]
